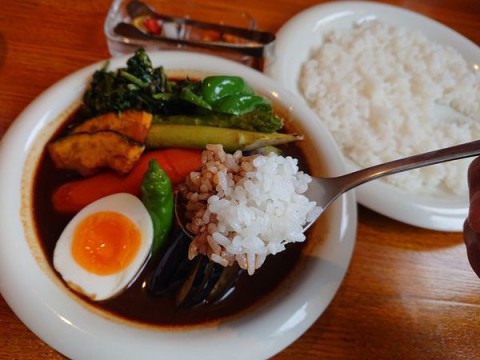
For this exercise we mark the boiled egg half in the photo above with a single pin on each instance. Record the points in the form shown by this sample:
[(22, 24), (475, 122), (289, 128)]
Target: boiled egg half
[(104, 246)]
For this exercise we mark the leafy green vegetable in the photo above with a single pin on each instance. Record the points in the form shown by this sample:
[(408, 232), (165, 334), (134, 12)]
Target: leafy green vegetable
[(139, 86), (188, 94)]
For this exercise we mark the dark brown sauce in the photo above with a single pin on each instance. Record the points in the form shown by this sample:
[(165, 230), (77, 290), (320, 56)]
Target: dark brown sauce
[(136, 303)]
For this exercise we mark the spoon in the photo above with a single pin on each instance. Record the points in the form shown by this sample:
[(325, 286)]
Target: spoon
[(130, 31), (137, 8), (255, 43), (324, 191)]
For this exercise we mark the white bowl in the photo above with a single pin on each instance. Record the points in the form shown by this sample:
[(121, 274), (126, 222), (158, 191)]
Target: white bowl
[(44, 304), (305, 31)]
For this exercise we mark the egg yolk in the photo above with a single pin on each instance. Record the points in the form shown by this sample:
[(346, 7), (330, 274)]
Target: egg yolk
[(105, 243)]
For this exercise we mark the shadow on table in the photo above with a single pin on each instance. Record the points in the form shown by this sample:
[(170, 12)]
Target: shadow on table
[(396, 234)]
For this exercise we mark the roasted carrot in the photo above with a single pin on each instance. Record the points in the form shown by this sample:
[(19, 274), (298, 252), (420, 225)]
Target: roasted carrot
[(73, 196)]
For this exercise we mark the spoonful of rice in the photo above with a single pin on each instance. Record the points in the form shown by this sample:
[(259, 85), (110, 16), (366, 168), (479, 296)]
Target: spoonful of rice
[(239, 209)]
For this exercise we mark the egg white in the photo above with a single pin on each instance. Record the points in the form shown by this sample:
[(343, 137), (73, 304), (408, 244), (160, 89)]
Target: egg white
[(101, 287)]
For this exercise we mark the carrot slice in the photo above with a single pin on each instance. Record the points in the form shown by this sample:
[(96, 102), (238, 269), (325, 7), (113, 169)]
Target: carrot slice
[(73, 196)]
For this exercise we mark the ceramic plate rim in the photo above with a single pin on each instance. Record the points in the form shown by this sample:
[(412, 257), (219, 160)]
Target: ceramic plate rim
[(68, 327), (298, 37)]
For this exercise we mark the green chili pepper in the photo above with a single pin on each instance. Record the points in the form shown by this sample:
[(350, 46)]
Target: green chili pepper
[(224, 94), (217, 87), (157, 196), (241, 104)]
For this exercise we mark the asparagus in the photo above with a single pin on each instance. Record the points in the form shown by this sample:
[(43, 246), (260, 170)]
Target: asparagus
[(197, 137), (256, 120)]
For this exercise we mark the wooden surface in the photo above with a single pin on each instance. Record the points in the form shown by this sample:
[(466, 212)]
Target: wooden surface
[(409, 292)]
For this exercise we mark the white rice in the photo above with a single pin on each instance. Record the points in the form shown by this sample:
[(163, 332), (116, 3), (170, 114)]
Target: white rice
[(377, 87), (256, 206)]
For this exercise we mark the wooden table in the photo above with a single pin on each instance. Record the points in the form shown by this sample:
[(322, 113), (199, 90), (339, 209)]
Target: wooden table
[(409, 292)]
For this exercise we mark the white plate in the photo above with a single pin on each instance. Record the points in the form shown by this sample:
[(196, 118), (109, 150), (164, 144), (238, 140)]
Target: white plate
[(42, 302), (304, 32)]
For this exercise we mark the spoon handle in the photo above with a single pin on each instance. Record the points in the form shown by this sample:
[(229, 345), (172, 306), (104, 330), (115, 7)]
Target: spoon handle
[(137, 8), (130, 31), (430, 158)]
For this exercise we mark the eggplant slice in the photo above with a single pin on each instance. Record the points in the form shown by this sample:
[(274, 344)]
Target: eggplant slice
[(197, 282)]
